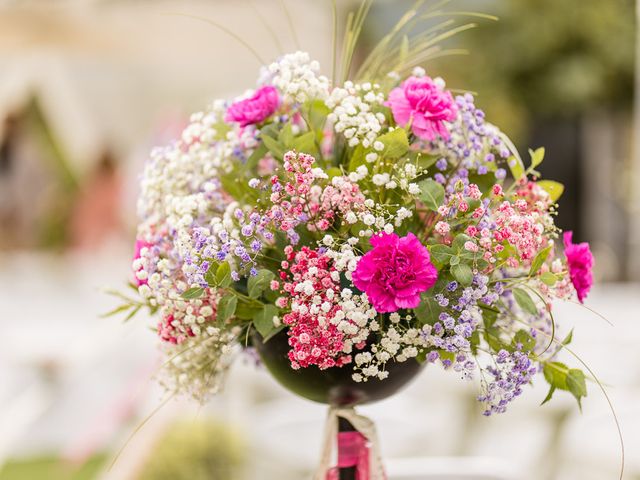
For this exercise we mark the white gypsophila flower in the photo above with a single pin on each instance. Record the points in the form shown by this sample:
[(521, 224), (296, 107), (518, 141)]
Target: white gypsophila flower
[(297, 77), (353, 112)]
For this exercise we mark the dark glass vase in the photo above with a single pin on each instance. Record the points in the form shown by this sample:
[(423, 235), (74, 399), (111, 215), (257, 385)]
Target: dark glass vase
[(333, 386)]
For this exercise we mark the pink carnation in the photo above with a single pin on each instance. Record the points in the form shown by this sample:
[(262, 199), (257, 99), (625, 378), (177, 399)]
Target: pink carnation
[(395, 272), (261, 105), (580, 261), (425, 104)]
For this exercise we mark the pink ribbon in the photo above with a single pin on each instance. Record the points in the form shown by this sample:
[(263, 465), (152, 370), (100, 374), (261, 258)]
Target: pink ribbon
[(352, 452)]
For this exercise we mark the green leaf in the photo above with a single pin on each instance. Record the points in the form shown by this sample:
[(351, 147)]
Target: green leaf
[(539, 260), (554, 189), (555, 373), (223, 275), (285, 137), (431, 193), (404, 50), (516, 167), (525, 339), (306, 143), (455, 260), (549, 395), (334, 172), (318, 112), (492, 337), (274, 146), (226, 307), (428, 310), (567, 340), (257, 155), (273, 333), (246, 310), (192, 293), (425, 161), (115, 311), (357, 158), (548, 278), (462, 273), (396, 143), (576, 385), (441, 254), (524, 301), (459, 241), (259, 282), (263, 320), (489, 316), (537, 156)]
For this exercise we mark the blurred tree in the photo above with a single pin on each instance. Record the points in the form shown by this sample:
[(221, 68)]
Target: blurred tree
[(558, 74), (190, 450)]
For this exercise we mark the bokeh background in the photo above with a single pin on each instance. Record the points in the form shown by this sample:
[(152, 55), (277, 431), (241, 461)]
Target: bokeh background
[(87, 87)]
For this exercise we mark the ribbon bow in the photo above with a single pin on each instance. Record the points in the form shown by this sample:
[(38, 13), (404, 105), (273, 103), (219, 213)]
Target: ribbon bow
[(359, 449)]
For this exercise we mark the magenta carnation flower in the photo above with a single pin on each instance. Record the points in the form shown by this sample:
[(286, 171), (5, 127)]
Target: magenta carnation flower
[(395, 272), (425, 104), (258, 107), (580, 261)]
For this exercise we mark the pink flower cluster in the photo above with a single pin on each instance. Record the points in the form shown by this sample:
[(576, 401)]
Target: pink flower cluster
[(175, 331), (255, 109), (299, 200), (580, 262), (341, 197), (520, 227), (425, 105), (313, 287), (395, 272)]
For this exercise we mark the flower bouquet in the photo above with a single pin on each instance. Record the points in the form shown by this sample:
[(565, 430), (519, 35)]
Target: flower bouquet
[(353, 232)]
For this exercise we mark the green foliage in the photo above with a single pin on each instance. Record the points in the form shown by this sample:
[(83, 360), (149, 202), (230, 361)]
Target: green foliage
[(226, 307), (259, 282), (553, 188), (223, 275), (431, 194), (548, 278), (539, 260), (516, 166), (462, 273), (561, 377), (52, 468), (263, 320), (440, 254), (524, 301), (196, 450), (525, 339), (396, 144), (428, 310), (537, 156), (193, 293)]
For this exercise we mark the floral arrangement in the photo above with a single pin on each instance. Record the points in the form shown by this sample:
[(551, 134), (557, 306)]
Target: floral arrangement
[(376, 220)]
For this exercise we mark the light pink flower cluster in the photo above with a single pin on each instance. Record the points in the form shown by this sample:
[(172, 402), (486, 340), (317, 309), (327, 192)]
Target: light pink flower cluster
[(580, 262), (137, 254), (174, 329), (300, 200), (395, 272), (290, 200), (521, 228), (255, 109), (342, 197), (312, 286), (425, 105)]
